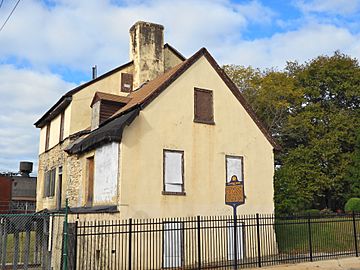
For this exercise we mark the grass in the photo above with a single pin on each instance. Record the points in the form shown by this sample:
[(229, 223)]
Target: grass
[(10, 247), (328, 235)]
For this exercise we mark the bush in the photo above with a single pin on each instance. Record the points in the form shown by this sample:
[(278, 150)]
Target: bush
[(353, 204), (310, 212)]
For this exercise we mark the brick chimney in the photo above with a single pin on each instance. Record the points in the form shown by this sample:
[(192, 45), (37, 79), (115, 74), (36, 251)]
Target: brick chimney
[(147, 51)]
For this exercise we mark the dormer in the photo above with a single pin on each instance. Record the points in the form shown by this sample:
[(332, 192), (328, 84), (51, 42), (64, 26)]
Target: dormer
[(105, 105)]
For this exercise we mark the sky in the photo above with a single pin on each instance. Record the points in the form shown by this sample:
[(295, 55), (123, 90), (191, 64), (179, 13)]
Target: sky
[(47, 47)]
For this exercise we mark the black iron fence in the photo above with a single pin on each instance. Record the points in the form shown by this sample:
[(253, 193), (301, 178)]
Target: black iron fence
[(209, 242)]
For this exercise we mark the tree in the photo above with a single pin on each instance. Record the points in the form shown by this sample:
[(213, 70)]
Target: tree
[(313, 111)]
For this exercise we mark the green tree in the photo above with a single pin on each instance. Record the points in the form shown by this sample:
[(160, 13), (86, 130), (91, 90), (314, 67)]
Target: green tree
[(313, 111)]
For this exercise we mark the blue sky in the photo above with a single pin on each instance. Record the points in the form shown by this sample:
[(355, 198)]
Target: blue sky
[(49, 46)]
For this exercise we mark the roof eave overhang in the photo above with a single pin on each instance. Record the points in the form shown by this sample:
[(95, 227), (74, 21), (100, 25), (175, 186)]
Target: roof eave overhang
[(60, 106)]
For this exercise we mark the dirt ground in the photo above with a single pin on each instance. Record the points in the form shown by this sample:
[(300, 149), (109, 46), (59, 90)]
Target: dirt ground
[(352, 263)]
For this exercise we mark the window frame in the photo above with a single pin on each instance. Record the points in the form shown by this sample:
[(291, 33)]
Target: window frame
[(47, 138), (202, 121), (62, 123), (49, 183), (242, 166), (182, 192)]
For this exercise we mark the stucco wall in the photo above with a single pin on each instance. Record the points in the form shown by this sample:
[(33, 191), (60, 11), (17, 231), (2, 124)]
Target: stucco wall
[(170, 59), (81, 110), (167, 123)]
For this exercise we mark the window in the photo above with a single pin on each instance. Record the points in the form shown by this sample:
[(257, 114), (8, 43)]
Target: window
[(47, 139), (234, 167), (49, 183), (173, 172), (126, 82), (61, 136), (90, 184), (203, 106)]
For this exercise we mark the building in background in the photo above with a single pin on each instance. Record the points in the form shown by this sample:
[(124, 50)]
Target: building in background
[(18, 191)]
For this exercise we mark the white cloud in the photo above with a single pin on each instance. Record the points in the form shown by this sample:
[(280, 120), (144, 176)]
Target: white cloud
[(303, 44), (25, 95), (341, 7), (78, 34)]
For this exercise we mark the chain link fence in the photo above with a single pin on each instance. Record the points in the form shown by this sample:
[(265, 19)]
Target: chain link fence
[(31, 241)]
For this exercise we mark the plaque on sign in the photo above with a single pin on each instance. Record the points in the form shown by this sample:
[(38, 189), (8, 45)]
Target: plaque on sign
[(234, 192)]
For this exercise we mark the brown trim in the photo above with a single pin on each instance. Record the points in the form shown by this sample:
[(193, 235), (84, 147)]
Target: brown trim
[(242, 166), (109, 97), (196, 119), (90, 164), (43, 120), (234, 89), (164, 192), (62, 119), (47, 138), (59, 107), (174, 51)]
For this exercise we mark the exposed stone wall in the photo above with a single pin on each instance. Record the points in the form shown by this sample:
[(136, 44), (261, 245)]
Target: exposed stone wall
[(54, 158), (71, 178)]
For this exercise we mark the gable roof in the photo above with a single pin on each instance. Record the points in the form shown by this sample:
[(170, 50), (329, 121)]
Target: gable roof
[(60, 104), (148, 92), (109, 97), (65, 100)]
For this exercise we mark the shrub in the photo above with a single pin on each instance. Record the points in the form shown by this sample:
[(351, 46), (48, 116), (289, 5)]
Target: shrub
[(326, 211), (310, 212), (353, 204)]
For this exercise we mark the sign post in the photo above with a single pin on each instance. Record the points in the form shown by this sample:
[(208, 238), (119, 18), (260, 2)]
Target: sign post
[(234, 196)]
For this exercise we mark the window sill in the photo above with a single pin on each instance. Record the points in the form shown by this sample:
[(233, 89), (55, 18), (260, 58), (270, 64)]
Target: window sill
[(204, 122), (174, 193)]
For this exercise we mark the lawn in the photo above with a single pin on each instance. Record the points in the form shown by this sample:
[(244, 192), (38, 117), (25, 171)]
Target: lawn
[(328, 235)]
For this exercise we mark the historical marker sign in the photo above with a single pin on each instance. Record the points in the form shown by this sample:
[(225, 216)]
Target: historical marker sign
[(234, 192)]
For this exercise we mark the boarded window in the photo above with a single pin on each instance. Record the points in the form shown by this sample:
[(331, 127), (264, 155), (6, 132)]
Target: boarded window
[(62, 119), (234, 167), (173, 172), (47, 139), (173, 244), (49, 183), (90, 184), (203, 106), (126, 82)]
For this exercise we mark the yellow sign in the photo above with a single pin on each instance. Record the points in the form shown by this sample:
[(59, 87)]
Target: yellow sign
[(234, 192)]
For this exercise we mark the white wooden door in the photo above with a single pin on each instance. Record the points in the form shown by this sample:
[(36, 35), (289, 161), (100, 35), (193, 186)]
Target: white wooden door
[(230, 242), (172, 244)]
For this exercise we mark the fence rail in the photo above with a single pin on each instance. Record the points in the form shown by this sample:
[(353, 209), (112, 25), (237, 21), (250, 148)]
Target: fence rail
[(209, 242)]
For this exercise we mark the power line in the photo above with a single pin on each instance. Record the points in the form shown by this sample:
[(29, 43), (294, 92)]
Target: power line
[(9, 15), (2, 1)]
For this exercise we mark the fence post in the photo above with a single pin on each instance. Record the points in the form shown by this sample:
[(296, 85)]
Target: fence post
[(130, 232), (75, 244), (310, 239), (199, 242), (258, 238), (355, 235), (65, 259)]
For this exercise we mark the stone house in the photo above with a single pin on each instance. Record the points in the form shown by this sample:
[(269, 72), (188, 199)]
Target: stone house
[(156, 137)]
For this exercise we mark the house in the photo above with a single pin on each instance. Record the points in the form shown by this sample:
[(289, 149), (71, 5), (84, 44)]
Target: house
[(156, 137), (18, 191)]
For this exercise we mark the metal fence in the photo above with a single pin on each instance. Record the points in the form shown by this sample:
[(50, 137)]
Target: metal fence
[(31, 241), (209, 242)]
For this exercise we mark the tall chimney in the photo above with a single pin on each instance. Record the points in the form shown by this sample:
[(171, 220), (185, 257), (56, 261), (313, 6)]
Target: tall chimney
[(146, 51)]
